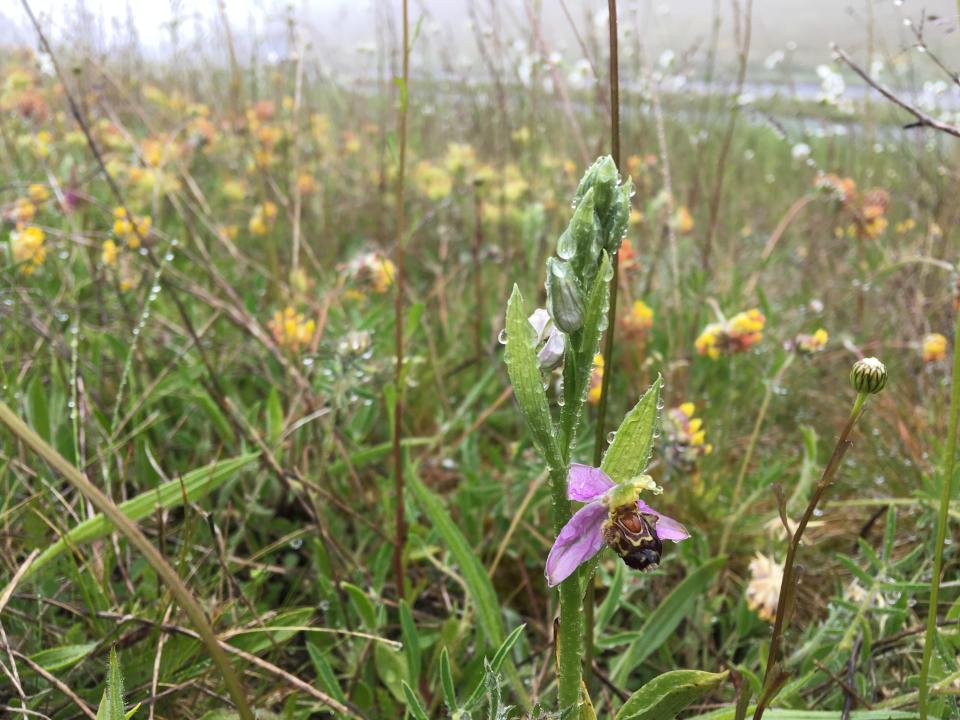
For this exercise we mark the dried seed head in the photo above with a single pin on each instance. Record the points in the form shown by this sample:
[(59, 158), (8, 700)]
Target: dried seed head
[(868, 375)]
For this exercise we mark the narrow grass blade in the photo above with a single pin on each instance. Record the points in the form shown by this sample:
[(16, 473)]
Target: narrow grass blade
[(481, 590), (198, 483)]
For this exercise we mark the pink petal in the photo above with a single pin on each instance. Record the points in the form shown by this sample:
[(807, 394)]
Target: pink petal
[(667, 527), (585, 483), (580, 539)]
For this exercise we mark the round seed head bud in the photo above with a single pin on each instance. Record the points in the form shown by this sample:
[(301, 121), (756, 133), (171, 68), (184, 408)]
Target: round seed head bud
[(868, 375)]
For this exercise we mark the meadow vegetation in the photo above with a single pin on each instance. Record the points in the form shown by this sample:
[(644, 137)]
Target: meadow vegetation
[(198, 291)]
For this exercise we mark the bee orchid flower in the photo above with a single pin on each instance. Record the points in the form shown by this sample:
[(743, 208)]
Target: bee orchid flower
[(614, 515)]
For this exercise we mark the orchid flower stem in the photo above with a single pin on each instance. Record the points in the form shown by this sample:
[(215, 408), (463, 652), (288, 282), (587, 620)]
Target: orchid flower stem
[(571, 620), (771, 679), (946, 492)]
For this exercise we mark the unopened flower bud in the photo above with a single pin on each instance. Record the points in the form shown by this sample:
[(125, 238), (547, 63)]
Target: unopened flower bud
[(618, 218), (605, 184), (583, 231), (564, 299), (868, 375)]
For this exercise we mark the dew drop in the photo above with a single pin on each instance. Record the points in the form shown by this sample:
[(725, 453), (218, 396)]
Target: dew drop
[(566, 246), (502, 337), (611, 436)]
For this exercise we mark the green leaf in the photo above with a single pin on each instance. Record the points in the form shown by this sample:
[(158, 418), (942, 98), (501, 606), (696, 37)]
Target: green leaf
[(666, 695), (362, 604), (446, 682), (413, 702), (475, 575), (111, 705), (391, 667), (411, 642), (274, 416), (37, 409), (498, 658), (64, 656), (612, 600), (198, 484), (325, 673), (665, 619), (629, 453), (786, 714), (527, 381)]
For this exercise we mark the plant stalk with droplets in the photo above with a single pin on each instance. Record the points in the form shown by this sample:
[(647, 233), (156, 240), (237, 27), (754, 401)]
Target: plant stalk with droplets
[(577, 288)]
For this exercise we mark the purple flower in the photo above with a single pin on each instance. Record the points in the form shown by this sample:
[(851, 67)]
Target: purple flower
[(549, 339), (613, 515)]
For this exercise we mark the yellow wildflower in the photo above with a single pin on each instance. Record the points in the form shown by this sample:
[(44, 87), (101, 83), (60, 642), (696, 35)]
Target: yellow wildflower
[(934, 347), (23, 211), (234, 190), (41, 144), (684, 438), (683, 220), (810, 344), (460, 158), (905, 226), (710, 340), (432, 180), (306, 185), (291, 329), (28, 250), (38, 193), (739, 334), (639, 320), (109, 253), (596, 380)]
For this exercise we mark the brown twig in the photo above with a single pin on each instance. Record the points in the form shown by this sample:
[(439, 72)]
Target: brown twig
[(923, 120)]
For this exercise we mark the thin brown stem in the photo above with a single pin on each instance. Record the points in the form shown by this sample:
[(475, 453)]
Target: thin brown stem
[(743, 52), (401, 530), (787, 585), (599, 440)]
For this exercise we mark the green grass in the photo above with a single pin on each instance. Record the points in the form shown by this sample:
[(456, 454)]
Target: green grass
[(259, 465)]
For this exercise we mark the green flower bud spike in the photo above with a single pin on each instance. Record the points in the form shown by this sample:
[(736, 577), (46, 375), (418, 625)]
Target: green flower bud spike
[(564, 299), (868, 376)]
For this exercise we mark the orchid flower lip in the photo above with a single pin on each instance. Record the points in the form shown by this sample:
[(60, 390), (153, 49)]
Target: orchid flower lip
[(582, 537)]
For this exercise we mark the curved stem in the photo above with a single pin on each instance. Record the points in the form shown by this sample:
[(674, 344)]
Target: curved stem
[(129, 530), (772, 681), (946, 491)]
